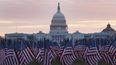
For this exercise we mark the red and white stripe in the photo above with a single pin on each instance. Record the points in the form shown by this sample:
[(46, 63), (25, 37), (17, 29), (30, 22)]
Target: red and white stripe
[(67, 57), (92, 56), (40, 56), (2, 55), (25, 56), (10, 57), (80, 52), (112, 53)]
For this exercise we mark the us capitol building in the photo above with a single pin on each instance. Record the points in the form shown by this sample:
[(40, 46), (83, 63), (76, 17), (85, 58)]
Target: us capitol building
[(59, 31)]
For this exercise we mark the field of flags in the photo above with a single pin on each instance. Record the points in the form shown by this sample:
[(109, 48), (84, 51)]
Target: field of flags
[(91, 51)]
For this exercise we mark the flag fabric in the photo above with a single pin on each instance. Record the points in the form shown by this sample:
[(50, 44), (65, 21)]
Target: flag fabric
[(51, 56), (48, 57), (112, 50), (21, 58), (40, 56), (18, 49), (112, 53), (59, 51), (114, 58), (25, 55), (45, 61), (105, 54), (55, 51), (45, 54), (67, 57), (34, 47), (10, 57), (80, 52), (92, 56), (2, 55)]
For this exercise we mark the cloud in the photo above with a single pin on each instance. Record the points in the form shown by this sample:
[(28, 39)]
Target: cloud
[(28, 13), (40, 9)]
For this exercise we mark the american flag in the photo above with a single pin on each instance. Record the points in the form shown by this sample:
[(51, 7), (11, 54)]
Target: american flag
[(112, 49), (67, 57), (28, 55), (2, 55), (92, 56), (55, 51), (58, 51), (34, 47), (21, 58), (25, 55), (105, 54), (48, 57), (10, 57), (51, 56), (114, 58), (112, 53), (80, 52), (2, 52), (40, 56)]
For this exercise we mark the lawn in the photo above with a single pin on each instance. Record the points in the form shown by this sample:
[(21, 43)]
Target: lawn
[(76, 62)]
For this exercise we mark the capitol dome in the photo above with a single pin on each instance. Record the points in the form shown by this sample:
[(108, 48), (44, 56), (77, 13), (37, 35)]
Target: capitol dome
[(58, 21), (58, 27), (58, 16), (108, 29)]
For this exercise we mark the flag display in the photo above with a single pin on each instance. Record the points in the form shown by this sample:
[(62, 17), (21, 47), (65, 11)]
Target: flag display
[(10, 57), (23, 54), (67, 57)]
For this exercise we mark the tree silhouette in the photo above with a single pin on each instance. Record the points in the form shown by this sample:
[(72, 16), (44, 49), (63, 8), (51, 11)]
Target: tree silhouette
[(34, 63), (56, 61), (78, 62), (103, 63)]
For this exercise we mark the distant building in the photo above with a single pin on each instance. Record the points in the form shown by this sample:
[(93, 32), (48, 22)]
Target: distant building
[(105, 33), (58, 27), (77, 35), (88, 36), (41, 36), (14, 36), (108, 29)]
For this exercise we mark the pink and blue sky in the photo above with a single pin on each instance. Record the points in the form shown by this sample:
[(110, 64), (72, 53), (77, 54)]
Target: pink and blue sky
[(31, 16)]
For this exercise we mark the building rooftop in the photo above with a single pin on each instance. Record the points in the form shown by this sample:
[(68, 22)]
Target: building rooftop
[(108, 29)]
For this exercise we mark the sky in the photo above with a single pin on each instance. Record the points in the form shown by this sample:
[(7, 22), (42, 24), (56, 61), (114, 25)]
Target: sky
[(32, 16)]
